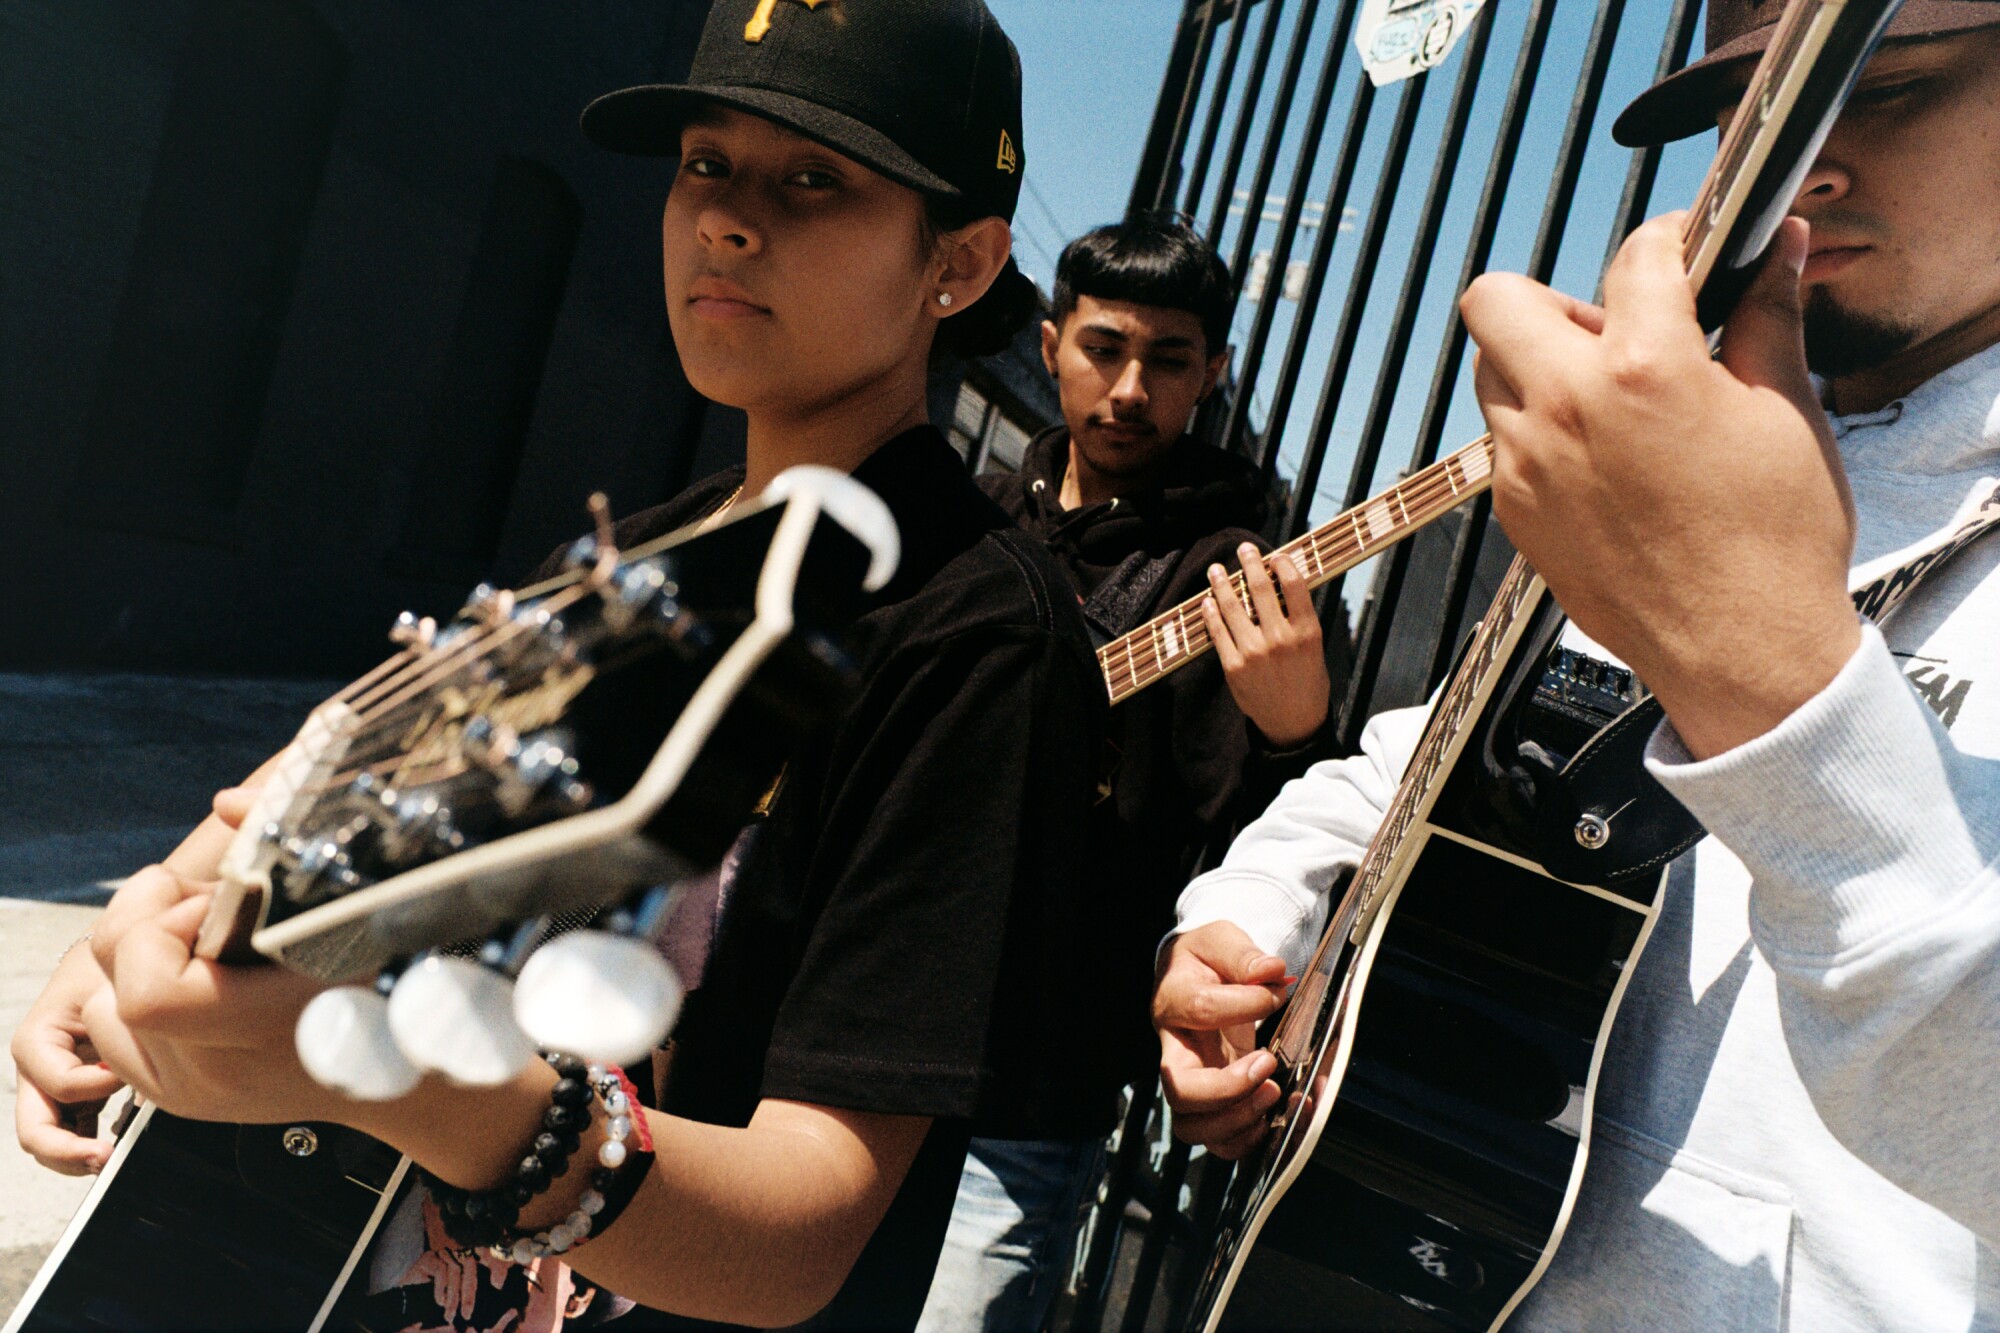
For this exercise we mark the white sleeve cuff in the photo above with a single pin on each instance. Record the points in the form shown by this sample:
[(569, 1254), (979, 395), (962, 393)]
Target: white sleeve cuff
[(1277, 920)]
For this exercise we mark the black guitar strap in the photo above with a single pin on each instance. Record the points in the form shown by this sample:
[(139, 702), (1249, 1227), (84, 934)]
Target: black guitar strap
[(1601, 818), (1120, 602)]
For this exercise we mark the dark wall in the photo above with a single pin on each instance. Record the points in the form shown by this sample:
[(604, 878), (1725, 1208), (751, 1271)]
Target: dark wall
[(311, 310)]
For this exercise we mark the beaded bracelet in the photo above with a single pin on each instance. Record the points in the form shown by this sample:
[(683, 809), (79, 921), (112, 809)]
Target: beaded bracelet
[(475, 1218), (613, 1182), (617, 1185)]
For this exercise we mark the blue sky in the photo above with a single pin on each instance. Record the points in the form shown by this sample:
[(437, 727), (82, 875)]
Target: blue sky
[(1092, 71)]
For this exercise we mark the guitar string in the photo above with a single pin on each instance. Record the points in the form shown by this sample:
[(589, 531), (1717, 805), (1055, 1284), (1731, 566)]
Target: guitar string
[(495, 635), (1330, 542), (1187, 622), (1448, 717), (1446, 722), (1181, 634), (1321, 555)]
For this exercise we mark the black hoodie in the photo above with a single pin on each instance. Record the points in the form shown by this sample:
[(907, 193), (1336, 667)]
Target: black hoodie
[(1186, 764)]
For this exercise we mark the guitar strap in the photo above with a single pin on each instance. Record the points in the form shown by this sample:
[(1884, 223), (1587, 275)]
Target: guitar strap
[(1120, 602), (1602, 819)]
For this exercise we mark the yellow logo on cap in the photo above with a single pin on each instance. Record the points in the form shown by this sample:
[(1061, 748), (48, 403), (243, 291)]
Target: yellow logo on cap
[(1010, 161), (760, 22)]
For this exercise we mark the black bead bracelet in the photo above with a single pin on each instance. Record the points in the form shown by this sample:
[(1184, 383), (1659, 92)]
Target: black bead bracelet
[(480, 1218)]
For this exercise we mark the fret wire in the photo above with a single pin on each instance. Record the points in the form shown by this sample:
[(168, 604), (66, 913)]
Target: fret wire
[(1429, 491), (1513, 594)]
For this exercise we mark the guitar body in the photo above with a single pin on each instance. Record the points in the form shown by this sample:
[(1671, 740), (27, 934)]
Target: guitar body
[(1440, 1054), (195, 1225), (1448, 1078), (542, 762)]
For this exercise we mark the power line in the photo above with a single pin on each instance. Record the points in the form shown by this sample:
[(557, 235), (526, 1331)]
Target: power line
[(1046, 256), (1062, 233)]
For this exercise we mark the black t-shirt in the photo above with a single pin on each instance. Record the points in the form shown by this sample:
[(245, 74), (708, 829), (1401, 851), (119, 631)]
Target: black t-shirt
[(907, 931)]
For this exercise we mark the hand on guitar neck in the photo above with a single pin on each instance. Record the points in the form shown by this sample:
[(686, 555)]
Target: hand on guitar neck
[(62, 1087), (1689, 513), (1271, 652)]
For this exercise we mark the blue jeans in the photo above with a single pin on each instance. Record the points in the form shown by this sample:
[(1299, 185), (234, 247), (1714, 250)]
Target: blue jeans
[(1018, 1207)]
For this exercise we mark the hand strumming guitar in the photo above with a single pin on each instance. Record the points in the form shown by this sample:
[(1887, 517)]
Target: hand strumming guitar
[(1215, 987)]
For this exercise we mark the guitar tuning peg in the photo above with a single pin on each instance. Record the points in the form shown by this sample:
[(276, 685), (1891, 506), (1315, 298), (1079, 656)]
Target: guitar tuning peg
[(456, 1017), (489, 605), (344, 1042), (599, 995), (412, 631), (630, 590)]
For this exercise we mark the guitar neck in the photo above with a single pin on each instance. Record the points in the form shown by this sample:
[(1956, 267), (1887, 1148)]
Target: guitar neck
[(1171, 640), (1812, 60)]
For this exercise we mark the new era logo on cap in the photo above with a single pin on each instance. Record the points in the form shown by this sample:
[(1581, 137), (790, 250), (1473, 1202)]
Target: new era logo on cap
[(926, 92), (760, 22)]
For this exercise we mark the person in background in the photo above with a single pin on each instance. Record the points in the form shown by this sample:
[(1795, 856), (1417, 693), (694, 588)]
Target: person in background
[(1141, 517), (1795, 1125), (902, 955)]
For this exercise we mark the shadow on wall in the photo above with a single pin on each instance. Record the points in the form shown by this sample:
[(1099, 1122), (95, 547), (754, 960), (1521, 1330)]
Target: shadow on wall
[(316, 309)]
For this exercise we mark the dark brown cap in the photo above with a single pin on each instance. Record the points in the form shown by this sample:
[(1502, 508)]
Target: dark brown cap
[(1685, 102)]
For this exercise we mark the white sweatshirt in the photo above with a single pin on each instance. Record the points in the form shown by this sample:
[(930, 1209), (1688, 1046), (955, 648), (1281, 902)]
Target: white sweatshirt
[(1798, 1122)]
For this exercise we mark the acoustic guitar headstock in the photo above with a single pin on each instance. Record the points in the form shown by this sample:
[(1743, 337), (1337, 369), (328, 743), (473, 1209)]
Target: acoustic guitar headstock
[(565, 754)]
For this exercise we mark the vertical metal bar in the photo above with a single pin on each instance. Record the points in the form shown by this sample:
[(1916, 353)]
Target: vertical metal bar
[(1210, 1193), (1218, 103), (1169, 182), (1246, 117), (1334, 209), (983, 445), (1155, 164), (1637, 199), (1159, 1231), (1348, 332), (1541, 267), (1094, 1283), (1569, 157), (1373, 640), (1288, 229), (1416, 276), (1267, 163)]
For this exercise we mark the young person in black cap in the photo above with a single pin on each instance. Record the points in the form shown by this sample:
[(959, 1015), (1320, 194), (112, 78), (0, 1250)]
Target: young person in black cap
[(1142, 517), (1795, 1125), (901, 956)]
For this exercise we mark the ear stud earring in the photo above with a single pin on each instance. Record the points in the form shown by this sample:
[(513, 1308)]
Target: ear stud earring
[(944, 298)]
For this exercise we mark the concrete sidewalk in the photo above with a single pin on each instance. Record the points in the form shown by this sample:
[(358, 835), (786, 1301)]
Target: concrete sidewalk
[(34, 1203), (100, 774)]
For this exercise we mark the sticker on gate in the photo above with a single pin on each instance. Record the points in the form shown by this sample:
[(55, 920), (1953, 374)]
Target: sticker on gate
[(1399, 38)]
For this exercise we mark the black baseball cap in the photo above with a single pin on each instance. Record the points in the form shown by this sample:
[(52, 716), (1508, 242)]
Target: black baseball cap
[(927, 92), (1685, 102)]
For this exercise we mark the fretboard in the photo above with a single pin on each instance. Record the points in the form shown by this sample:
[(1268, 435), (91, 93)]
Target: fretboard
[(1739, 205), (1175, 638)]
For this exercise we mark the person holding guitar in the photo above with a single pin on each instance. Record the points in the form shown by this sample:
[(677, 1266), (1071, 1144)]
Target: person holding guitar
[(1141, 517), (1794, 1125), (899, 936)]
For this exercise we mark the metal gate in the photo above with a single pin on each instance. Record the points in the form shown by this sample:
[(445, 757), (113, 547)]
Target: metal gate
[(1352, 217)]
